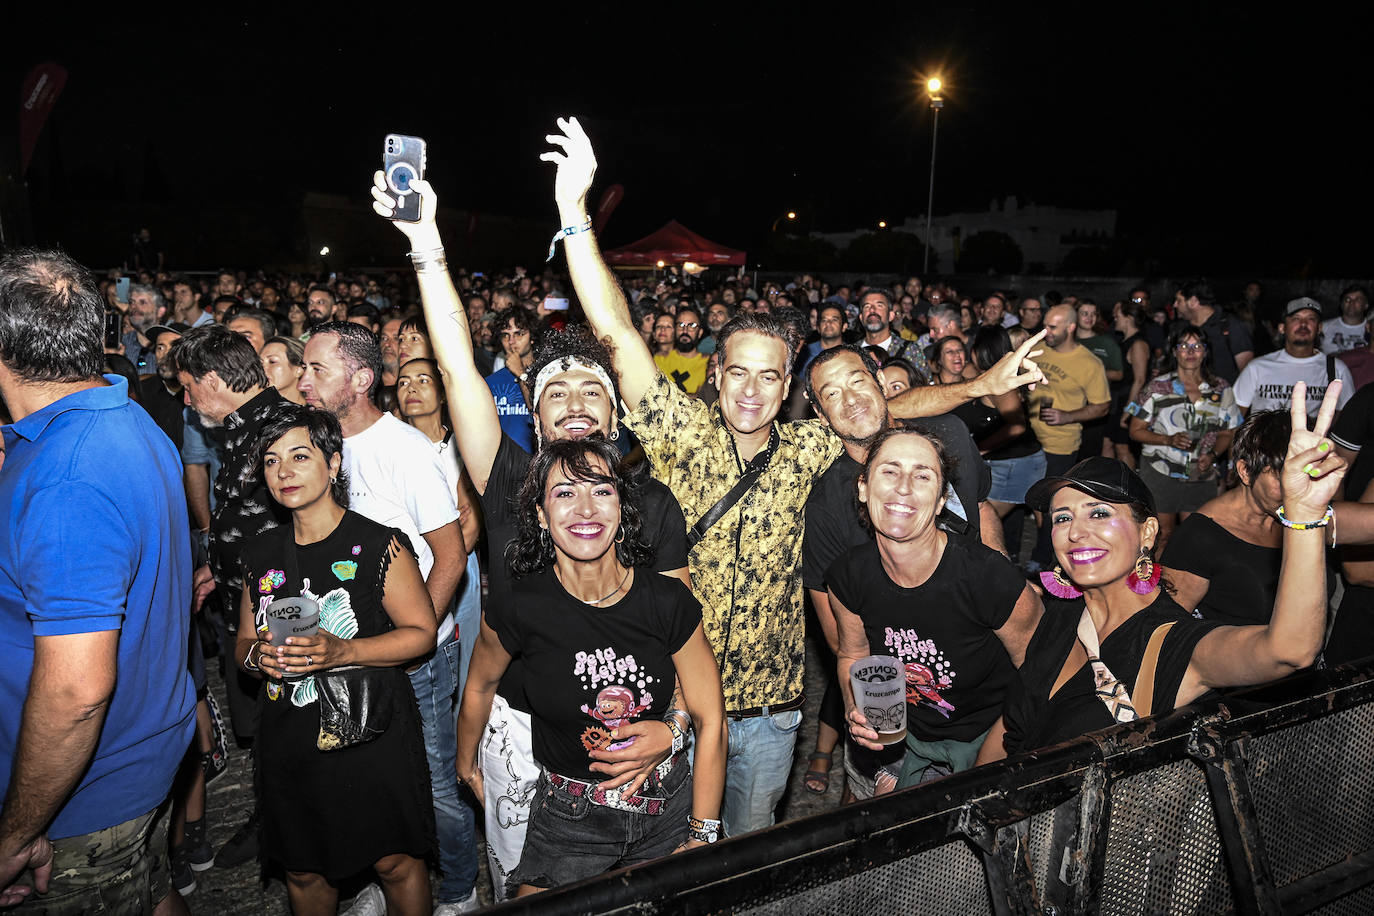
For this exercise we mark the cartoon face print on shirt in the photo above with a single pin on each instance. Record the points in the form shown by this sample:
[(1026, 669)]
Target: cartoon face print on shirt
[(615, 678), (927, 671)]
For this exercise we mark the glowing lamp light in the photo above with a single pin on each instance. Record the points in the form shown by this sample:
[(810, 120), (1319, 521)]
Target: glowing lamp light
[(933, 85), (660, 264), (882, 224), (791, 214), (324, 252)]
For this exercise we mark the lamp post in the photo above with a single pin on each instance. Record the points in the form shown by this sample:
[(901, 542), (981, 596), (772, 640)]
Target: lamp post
[(790, 215), (933, 86)]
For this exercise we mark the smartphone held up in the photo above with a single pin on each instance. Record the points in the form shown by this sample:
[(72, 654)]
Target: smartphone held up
[(403, 162)]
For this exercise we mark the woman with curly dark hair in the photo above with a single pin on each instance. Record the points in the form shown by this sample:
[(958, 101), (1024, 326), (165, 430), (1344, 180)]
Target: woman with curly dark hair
[(601, 639)]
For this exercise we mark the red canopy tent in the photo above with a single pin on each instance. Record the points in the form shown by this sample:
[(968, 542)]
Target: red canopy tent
[(674, 244)]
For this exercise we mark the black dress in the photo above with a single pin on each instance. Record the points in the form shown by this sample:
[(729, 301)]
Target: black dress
[(335, 813)]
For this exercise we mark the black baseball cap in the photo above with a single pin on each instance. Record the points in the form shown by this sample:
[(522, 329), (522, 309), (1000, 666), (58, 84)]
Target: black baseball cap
[(156, 331), (1106, 478)]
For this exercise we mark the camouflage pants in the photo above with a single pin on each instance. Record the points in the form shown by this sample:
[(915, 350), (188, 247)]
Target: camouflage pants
[(117, 871)]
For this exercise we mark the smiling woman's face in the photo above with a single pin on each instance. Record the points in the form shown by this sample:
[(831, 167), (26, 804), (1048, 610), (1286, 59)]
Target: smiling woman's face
[(903, 487), (1096, 542)]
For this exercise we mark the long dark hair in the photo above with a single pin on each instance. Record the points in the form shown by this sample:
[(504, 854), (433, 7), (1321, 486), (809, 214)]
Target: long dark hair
[(532, 549)]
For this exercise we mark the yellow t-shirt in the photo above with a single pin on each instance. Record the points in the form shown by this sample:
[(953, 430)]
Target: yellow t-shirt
[(688, 370), (1072, 380)]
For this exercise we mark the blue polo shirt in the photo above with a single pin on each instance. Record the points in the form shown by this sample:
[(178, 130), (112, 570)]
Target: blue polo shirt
[(94, 537)]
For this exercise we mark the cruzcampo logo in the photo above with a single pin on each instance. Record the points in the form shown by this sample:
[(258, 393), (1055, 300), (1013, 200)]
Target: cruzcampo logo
[(344, 569)]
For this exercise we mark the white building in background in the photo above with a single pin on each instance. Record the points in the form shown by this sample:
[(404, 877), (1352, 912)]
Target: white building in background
[(1045, 234)]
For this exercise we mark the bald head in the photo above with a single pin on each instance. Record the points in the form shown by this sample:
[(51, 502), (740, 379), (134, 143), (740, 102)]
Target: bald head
[(1061, 323)]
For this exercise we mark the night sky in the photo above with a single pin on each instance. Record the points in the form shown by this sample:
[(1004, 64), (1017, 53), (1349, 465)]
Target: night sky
[(1227, 132)]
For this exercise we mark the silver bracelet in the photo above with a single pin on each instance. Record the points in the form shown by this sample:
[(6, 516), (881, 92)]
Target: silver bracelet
[(429, 260), (248, 659)]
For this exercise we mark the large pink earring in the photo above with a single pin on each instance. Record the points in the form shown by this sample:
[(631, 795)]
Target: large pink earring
[(1145, 577), (1057, 585)]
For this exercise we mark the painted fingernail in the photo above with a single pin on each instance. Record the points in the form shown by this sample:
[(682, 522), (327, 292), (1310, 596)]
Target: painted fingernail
[(1324, 447), (1308, 470)]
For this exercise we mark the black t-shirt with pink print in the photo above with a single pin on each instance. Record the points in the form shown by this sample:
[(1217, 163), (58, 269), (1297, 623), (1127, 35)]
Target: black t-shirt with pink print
[(591, 669)]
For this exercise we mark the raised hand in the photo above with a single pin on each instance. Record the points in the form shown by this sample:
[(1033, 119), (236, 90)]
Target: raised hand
[(576, 163), (1015, 369), (1312, 471), (424, 234)]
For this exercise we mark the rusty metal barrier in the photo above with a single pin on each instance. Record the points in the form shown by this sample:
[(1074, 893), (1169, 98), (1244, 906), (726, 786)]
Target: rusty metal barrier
[(1259, 802)]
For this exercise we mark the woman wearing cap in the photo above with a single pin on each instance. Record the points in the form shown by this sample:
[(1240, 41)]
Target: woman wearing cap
[(1088, 665)]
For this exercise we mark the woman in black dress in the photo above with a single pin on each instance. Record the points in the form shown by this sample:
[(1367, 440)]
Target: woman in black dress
[(328, 815), (1088, 665)]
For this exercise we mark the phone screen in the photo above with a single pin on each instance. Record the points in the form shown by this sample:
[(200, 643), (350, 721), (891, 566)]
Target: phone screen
[(114, 329)]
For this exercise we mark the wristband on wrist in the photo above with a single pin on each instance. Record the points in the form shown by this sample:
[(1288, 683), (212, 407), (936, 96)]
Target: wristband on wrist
[(429, 260), (248, 659), (707, 831), (566, 232), (1304, 526)]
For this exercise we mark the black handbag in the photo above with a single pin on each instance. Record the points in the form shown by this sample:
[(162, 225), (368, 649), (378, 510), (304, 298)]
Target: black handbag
[(356, 704)]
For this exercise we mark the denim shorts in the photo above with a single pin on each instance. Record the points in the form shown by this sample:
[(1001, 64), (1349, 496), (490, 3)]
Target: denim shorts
[(1012, 477), (570, 838)]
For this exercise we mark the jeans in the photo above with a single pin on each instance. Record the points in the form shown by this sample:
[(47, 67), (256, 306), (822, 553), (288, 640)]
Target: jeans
[(468, 617), (436, 684), (756, 769)]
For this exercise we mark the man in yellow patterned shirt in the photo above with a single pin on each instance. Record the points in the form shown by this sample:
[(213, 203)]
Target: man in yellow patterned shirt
[(746, 568)]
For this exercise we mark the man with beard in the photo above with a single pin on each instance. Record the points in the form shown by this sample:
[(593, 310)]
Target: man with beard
[(161, 393), (574, 392), (1266, 383), (319, 306), (746, 565), (146, 308), (684, 364), (223, 381), (717, 314), (875, 316), (390, 340)]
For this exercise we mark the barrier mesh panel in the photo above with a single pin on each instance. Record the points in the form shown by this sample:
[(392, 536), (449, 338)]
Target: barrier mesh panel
[(1313, 789), (1039, 834), (944, 880), (1163, 852), (1360, 903)]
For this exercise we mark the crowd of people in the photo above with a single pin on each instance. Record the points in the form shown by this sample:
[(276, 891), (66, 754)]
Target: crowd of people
[(556, 535)]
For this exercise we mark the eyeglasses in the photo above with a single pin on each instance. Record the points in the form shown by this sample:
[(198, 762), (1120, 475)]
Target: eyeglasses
[(1191, 346), (1137, 298), (689, 325)]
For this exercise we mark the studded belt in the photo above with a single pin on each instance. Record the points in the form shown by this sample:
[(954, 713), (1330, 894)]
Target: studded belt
[(613, 798)]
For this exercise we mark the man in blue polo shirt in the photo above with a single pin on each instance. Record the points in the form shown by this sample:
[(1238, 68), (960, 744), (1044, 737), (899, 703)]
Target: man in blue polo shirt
[(95, 586)]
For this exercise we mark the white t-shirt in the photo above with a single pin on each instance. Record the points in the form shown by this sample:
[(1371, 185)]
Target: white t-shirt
[(396, 479), (1266, 382), (1337, 336)]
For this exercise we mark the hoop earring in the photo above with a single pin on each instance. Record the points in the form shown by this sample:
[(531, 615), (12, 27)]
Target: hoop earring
[(620, 535), (1145, 577), (545, 541), (1058, 586), (333, 480), (615, 432)]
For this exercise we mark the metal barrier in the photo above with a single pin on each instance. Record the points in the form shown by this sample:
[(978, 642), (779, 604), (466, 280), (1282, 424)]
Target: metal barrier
[(1259, 802)]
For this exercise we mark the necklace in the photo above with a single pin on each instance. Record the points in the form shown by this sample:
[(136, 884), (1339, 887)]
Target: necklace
[(595, 600)]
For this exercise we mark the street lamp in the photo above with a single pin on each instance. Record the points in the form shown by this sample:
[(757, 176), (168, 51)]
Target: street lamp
[(790, 215), (933, 87)]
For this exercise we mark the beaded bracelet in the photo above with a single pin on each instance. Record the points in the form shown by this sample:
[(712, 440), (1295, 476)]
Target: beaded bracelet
[(1304, 526), (566, 232)]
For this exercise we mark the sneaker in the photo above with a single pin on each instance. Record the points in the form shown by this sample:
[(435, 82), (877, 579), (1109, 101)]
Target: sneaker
[(469, 904), (242, 846), (369, 902), (183, 878), (197, 852)]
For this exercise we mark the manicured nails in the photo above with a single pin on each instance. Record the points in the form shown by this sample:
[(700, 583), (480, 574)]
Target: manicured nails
[(1324, 446)]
